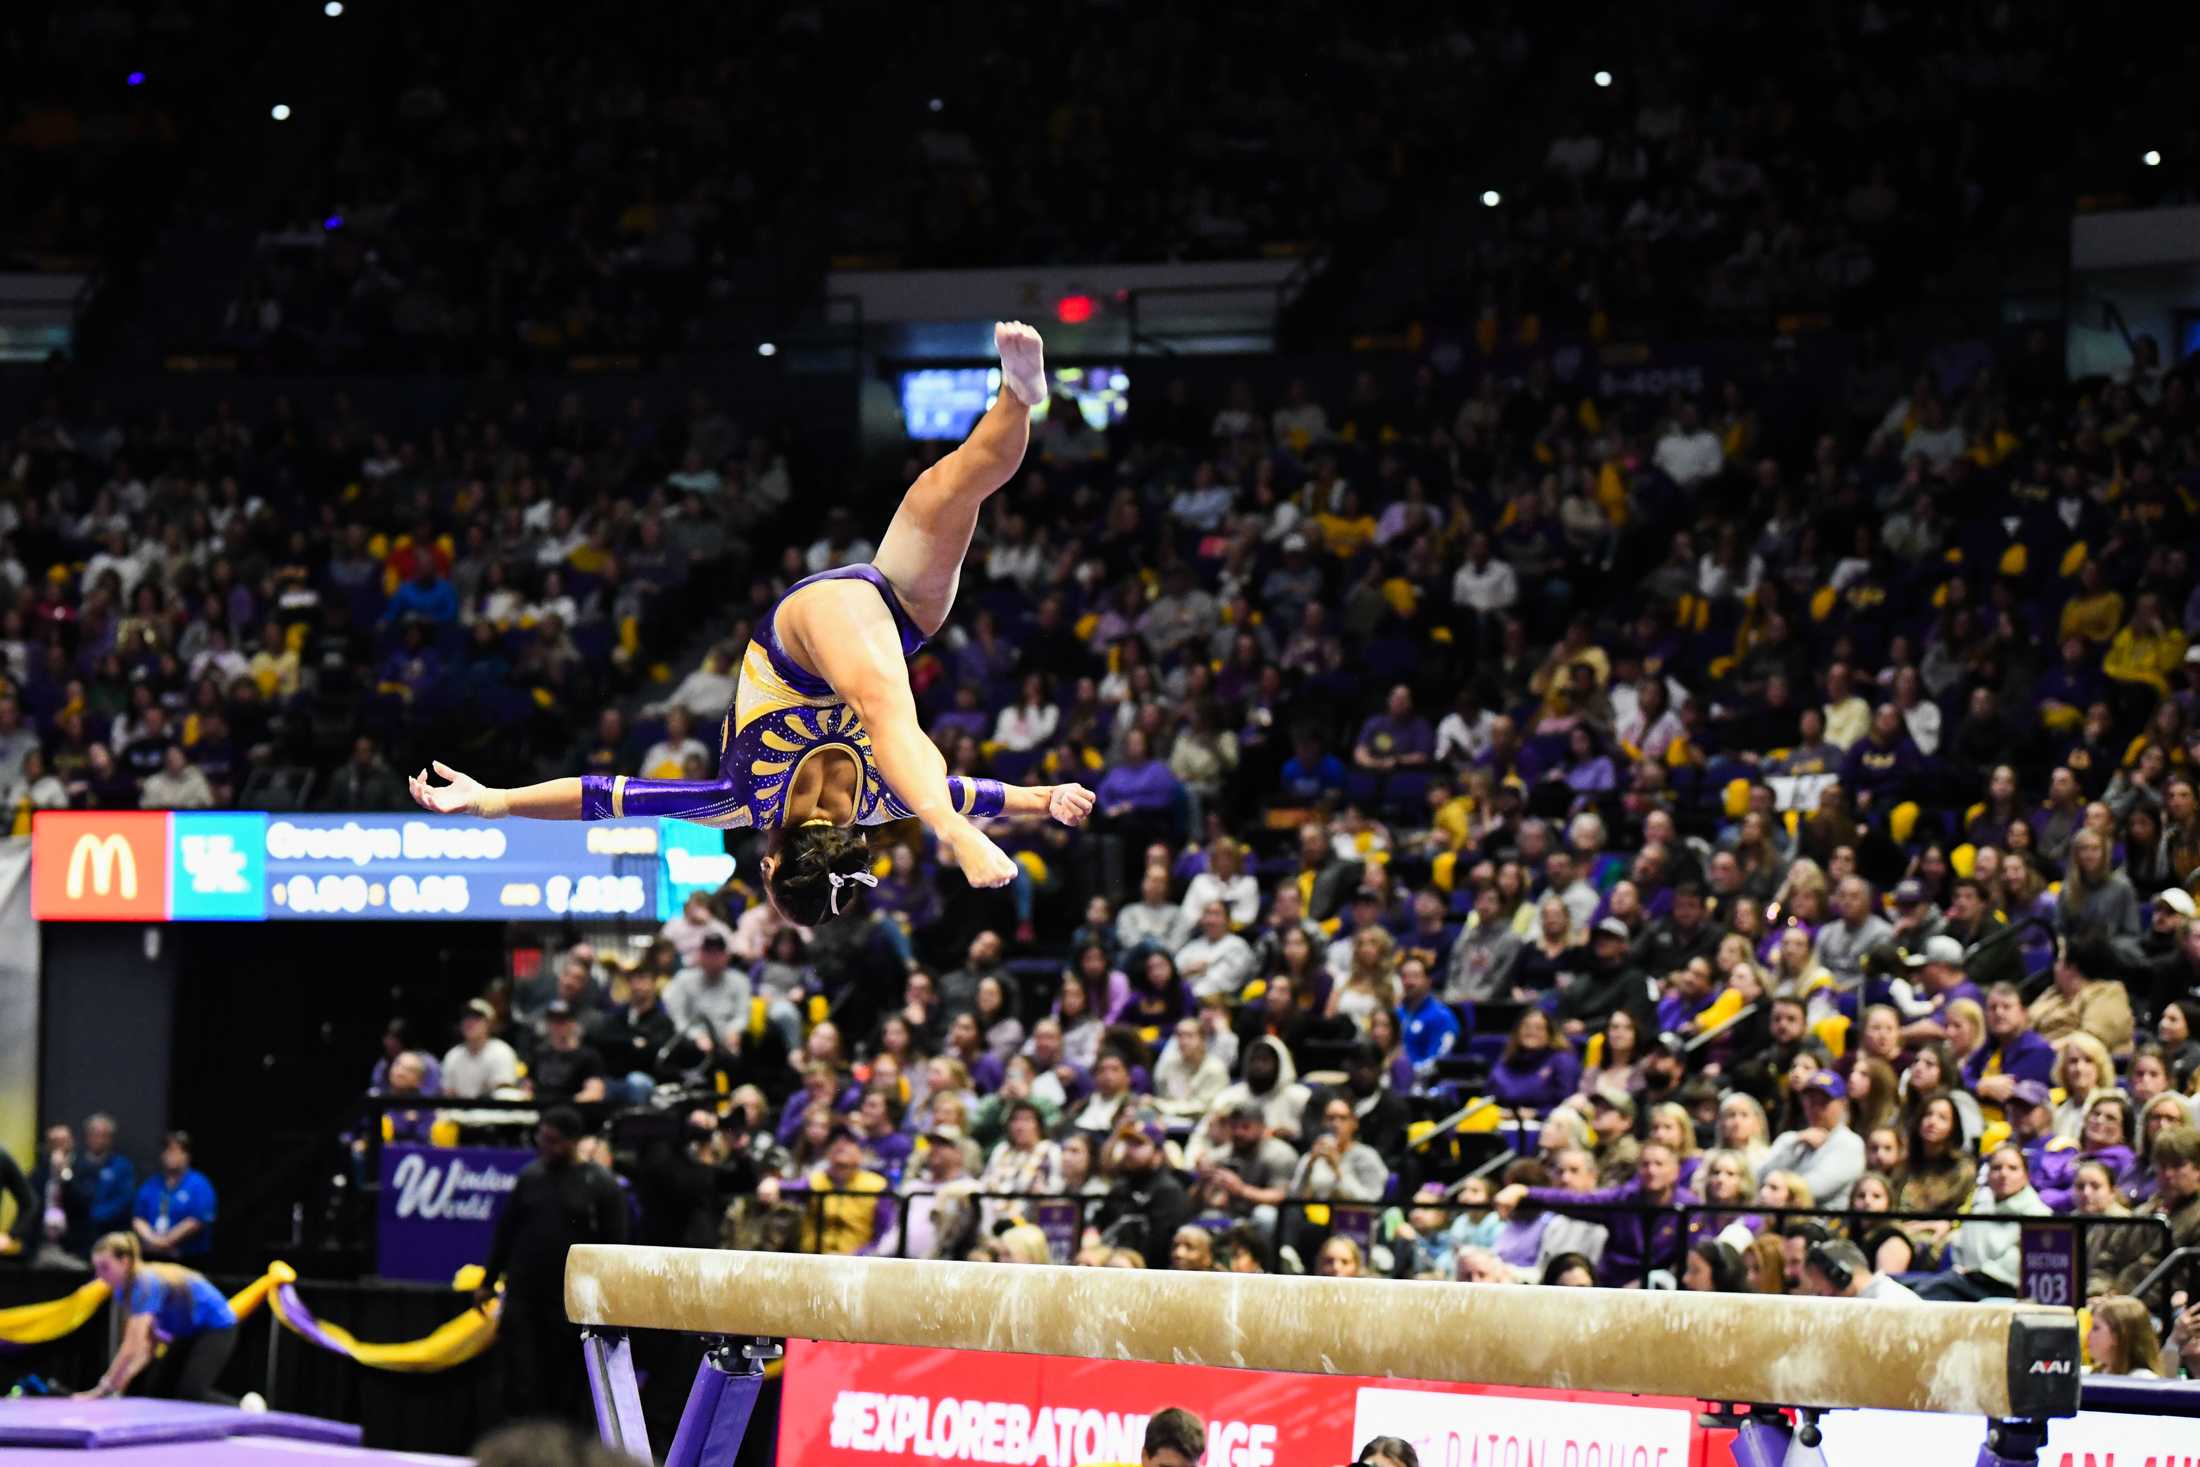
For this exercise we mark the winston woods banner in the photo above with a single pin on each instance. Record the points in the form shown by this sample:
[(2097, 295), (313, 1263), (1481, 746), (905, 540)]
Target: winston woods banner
[(439, 1207)]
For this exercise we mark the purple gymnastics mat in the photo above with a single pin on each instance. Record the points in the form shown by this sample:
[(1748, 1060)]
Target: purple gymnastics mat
[(298, 1428), (80, 1425), (258, 1451)]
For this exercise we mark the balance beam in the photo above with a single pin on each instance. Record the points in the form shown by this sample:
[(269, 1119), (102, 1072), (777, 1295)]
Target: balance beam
[(1997, 1360)]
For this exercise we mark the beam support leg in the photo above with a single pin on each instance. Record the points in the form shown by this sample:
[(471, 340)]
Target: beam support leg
[(2013, 1443), (720, 1403), (618, 1396)]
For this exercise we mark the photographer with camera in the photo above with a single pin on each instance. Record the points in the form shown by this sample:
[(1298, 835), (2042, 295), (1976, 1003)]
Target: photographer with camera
[(686, 1180)]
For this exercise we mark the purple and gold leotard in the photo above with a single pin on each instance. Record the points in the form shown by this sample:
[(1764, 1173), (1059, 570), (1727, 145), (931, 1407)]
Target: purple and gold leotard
[(782, 714)]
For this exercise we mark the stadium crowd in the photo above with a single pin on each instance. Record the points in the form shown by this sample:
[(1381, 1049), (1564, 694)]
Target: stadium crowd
[(192, 612), (1723, 834)]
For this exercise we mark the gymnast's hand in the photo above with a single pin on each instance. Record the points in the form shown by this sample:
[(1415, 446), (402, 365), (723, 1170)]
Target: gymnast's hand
[(462, 796), (1071, 804), (984, 863)]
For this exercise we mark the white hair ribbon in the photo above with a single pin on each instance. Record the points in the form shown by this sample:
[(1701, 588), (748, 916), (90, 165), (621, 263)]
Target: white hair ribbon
[(848, 878)]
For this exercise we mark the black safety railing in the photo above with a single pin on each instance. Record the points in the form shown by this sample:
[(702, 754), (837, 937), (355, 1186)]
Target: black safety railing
[(1703, 1221), (884, 1229), (886, 1224)]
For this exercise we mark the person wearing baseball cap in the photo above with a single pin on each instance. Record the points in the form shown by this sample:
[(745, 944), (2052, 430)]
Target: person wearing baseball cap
[(480, 1063), (2172, 910), (2030, 1111), (1824, 1152), (566, 1070), (1915, 916), (2173, 946), (1148, 1204), (1940, 980), (1612, 1114), (1612, 983)]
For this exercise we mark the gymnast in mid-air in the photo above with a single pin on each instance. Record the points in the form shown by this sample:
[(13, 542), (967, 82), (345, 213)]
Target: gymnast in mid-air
[(823, 738)]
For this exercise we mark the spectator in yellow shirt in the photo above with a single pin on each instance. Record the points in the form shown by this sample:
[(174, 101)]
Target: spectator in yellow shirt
[(2095, 612), (1348, 529), (847, 1215), (275, 667), (2148, 650)]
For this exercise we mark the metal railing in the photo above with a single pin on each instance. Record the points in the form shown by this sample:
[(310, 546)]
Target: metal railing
[(1700, 1221)]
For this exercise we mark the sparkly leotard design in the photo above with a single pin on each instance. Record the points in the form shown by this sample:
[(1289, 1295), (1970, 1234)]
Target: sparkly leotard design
[(781, 715)]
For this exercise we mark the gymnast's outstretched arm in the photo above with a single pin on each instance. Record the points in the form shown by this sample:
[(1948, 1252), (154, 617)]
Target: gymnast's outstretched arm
[(553, 799)]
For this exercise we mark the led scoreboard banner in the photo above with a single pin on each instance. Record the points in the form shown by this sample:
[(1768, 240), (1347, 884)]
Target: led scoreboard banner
[(253, 866)]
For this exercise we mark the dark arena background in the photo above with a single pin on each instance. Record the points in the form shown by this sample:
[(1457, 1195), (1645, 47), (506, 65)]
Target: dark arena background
[(1581, 669)]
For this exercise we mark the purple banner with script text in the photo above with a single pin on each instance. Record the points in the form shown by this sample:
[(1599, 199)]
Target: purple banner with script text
[(439, 1207)]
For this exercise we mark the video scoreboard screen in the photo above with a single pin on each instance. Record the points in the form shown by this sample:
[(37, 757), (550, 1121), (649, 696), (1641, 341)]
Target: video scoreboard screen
[(257, 866)]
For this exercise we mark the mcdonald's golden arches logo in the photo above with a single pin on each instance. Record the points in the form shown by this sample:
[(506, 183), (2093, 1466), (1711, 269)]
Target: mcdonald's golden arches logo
[(96, 865)]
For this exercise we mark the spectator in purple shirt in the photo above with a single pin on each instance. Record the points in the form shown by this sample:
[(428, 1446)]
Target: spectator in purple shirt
[(1538, 1069), (2105, 1137), (820, 1086), (1638, 1241), (968, 716), (394, 1048), (1884, 765), (1397, 737), (1688, 992), (2066, 690), (1138, 796), (877, 1125), (2013, 1051), (1588, 769), (1138, 783)]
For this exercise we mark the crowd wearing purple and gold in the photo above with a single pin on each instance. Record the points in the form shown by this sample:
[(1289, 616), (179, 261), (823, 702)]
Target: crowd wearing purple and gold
[(1749, 832)]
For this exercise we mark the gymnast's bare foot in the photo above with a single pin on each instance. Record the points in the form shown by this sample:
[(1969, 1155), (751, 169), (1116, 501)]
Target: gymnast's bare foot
[(1023, 362)]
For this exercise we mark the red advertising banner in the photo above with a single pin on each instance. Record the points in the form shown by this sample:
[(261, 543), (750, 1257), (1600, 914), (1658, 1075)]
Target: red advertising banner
[(99, 865), (862, 1405)]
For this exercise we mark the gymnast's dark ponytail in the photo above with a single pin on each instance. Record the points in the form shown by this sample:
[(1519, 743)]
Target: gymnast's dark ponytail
[(820, 867)]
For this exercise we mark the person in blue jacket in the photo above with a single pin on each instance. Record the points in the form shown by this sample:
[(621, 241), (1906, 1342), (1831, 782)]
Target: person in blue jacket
[(1431, 1029), (108, 1176), (165, 1303), (174, 1216)]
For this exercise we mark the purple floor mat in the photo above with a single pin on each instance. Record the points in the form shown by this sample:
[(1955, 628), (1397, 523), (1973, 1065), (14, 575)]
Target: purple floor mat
[(298, 1428), (79, 1426), (52, 1421)]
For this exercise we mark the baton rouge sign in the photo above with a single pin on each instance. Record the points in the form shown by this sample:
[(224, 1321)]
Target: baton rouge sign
[(101, 866)]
